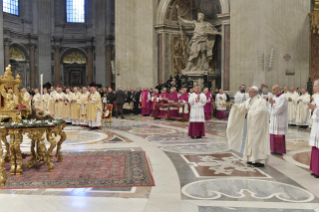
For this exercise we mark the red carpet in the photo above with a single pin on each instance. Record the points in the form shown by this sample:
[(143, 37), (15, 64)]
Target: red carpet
[(87, 169)]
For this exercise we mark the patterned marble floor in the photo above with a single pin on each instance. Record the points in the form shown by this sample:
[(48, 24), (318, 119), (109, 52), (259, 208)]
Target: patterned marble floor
[(201, 175)]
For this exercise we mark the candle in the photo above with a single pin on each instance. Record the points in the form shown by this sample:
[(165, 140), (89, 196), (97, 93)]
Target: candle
[(41, 91)]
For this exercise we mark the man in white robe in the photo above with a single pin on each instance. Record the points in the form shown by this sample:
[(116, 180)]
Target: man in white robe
[(221, 105), (278, 126), (27, 97), (286, 93), (83, 101), (241, 96), (75, 107), (36, 99), (95, 111), (197, 102), (59, 102), (302, 118), (45, 99), (51, 106), (314, 135), (313, 97), (265, 94), (292, 106), (248, 129), (67, 106)]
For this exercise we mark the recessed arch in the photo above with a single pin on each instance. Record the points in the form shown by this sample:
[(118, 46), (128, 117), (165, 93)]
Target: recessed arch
[(70, 50)]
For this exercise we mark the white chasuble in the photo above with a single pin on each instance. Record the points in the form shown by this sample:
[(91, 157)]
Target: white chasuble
[(257, 144), (37, 100), (279, 116), (302, 117), (241, 98), (51, 106), (197, 107)]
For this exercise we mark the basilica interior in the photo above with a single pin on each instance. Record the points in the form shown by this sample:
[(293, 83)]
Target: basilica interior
[(159, 105)]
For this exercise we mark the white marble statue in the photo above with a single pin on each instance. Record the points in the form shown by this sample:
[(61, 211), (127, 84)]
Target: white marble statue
[(201, 45)]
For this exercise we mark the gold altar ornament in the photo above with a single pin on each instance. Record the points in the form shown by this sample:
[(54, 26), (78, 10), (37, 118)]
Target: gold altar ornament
[(314, 17)]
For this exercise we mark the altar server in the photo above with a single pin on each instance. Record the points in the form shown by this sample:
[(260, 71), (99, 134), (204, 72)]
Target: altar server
[(313, 97), (145, 102), (36, 99), (221, 105), (197, 102), (292, 106), (163, 99), (208, 108), (83, 101), (155, 99), (95, 109), (172, 99), (241, 96), (75, 107), (314, 135), (45, 99), (59, 102), (66, 113), (51, 106), (183, 99), (278, 127), (302, 117), (265, 94), (248, 129)]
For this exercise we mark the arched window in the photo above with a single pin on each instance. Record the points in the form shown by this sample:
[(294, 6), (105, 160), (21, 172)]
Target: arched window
[(11, 6), (75, 11)]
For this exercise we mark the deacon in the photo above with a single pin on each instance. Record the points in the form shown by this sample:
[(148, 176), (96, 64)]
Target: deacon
[(75, 107), (221, 104), (45, 99), (292, 106), (83, 101), (314, 135), (155, 99), (36, 99), (302, 117), (95, 109), (209, 104), (241, 95), (59, 102), (197, 102), (67, 106), (248, 129), (145, 102), (278, 127), (51, 106), (183, 99)]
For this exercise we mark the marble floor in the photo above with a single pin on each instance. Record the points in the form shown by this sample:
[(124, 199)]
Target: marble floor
[(201, 175)]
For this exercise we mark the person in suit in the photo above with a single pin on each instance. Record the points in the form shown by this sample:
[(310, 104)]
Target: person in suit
[(136, 100), (120, 99)]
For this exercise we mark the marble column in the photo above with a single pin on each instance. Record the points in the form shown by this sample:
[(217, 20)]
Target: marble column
[(6, 43), (109, 48), (1, 42), (57, 64), (90, 64), (33, 74)]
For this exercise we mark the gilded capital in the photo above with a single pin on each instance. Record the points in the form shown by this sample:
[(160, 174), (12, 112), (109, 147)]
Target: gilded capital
[(57, 48), (7, 41), (32, 46)]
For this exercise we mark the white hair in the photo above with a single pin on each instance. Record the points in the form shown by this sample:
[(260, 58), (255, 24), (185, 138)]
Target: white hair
[(255, 88)]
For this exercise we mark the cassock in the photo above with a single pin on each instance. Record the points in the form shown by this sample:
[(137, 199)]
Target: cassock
[(51, 106), (292, 107), (249, 134), (163, 99), (95, 110), (75, 108), (313, 102), (173, 110), (302, 117), (314, 139), (278, 126), (46, 99), (66, 114), (241, 97), (83, 101), (221, 106), (197, 115), (145, 103), (59, 104), (37, 100), (208, 108), (155, 99), (183, 99)]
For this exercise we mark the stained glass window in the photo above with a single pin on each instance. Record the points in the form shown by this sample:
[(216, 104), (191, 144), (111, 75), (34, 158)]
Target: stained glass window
[(11, 6), (75, 11)]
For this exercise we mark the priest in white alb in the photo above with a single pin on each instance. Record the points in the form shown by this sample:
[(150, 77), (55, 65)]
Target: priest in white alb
[(278, 126), (314, 135), (248, 129), (197, 102), (75, 107), (45, 99), (67, 106), (36, 100), (83, 101), (292, 106), (241, 96), (302, 118), (95, 109), (265, 94), (221, 105), (51, 106), (59, 102)]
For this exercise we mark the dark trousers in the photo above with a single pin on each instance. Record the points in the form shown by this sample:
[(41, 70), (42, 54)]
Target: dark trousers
[(136, 109), (117, 109)]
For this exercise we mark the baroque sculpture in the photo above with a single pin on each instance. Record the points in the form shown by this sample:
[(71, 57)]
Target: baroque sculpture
[(201, 45)]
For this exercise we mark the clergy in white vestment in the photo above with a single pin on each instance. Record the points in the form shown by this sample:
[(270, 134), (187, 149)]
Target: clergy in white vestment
[(27, 97), (51, 106), (314, 135), (286, 93), (67, 106), (278, 126), (302, 117), (95, 109), (313, 97), (265, 94), (197, 102), (83, 101), (292, 106), (75, 107), (241, 96), (248, 129), (59, 102), (221, 105), (45, 99), (36, 99)]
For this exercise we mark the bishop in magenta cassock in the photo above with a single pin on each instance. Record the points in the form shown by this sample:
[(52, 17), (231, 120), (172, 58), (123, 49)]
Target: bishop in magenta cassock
[(183, 99), (197, 102), (278, 126), (314, 135), (155, 99), (172, 99), (208, 108), (145, 102), (163, 100)]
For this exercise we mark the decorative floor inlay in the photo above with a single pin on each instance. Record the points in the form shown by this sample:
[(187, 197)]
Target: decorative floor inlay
[(222, 165), (231, 209), (235, 188), (168, 137), (196, 148), (152, 131)]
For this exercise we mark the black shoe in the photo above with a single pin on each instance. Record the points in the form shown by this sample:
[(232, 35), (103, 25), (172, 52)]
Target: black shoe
[(249, 163), (316, 176), (192, 137), (198, 137), (122, 117), (312, 174), (258, 165)]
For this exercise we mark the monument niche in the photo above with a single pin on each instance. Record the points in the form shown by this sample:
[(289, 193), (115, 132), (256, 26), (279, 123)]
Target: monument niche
[(201, 50)]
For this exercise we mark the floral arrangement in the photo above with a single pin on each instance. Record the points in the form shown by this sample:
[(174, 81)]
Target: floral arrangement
[(34, 123)]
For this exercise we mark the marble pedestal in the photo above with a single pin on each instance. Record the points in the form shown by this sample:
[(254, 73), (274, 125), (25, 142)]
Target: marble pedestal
[(198, 78)]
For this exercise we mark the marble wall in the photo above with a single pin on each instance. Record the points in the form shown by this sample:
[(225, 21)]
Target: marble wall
[(259, 27), (135, 43)]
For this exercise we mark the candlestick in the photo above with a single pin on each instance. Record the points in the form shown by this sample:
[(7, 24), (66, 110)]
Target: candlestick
[(42, 91)]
